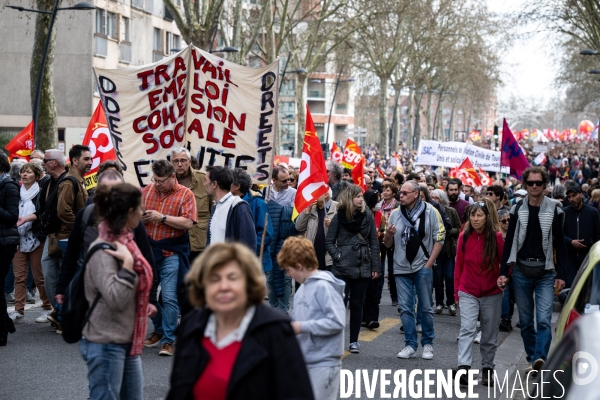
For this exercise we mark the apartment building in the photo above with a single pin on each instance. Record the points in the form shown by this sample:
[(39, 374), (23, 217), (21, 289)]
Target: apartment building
[(117, 34)]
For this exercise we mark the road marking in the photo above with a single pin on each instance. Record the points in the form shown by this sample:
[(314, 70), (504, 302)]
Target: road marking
[(368, 335)]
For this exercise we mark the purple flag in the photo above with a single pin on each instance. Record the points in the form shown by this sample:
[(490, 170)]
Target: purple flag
[(511, 154)]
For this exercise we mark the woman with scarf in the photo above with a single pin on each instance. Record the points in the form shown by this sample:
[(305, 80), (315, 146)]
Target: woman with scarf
[(478, 256), (386, 206), (30, 248), (113, 338), (353, 245)]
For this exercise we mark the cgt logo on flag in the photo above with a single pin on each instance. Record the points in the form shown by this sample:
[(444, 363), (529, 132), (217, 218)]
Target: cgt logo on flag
[(98, 138)]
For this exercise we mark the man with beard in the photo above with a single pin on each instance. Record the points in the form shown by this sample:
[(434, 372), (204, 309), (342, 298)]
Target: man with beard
[(193, 180), (581, 230), (453, 192)]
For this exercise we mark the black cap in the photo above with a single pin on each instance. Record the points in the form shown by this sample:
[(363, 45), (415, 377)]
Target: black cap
[(574, 188)]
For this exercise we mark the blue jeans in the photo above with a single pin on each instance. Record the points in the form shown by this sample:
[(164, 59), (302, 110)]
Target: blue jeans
[(444, 276), (165, 320), (281, 303), (422, 281), (537, 344), (508, 302), (112, 372), (50, 268)]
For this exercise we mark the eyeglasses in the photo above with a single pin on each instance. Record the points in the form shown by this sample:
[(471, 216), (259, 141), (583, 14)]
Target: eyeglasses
[(490, 193), (285, 180), (403, 193), (504, 221), (159, 182), (535, 183), (180, 161), (45, 160)]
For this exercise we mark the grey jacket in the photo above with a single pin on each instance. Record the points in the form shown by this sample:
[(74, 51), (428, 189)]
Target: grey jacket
[(307, 223), (353, 257), (434, 233), (319, 307)]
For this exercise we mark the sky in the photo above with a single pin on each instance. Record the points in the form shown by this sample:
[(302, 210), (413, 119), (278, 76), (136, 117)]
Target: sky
[(528, 69)]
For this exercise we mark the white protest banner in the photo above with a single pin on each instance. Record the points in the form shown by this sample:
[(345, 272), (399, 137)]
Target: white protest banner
[(223, 112), (452, 154)]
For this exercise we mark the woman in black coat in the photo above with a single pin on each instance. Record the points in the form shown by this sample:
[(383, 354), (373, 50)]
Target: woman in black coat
[(235, 347), (9, 237), (352, 243)]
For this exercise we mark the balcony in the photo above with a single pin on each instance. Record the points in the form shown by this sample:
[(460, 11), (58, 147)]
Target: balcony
[(316, 94), (125, 52), (100, 46)]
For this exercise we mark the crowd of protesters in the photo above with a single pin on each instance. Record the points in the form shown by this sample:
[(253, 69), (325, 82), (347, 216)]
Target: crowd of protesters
[(205, 250)]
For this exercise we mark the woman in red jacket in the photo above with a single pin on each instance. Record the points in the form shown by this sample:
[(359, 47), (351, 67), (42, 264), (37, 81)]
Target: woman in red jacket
[(478, 256)]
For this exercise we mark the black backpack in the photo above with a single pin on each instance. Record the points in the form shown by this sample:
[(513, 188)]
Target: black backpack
[(50, 223), (75, 309)]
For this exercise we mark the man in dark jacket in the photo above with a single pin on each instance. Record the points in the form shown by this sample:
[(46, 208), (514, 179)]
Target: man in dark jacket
[(581, 230), (82, 236), (231, 218)]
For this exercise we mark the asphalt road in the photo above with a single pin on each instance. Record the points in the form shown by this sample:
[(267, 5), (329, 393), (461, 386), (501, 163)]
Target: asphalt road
[(38, 364)]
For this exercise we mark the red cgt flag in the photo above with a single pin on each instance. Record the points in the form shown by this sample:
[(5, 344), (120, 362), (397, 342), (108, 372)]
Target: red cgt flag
[(352, 154), (358, 175), (485, 178), (312, 182), (336, 153), (467, 174), (22, 144), (98, 138)]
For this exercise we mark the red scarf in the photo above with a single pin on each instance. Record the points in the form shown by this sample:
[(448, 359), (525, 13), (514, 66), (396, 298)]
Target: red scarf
[(144, 272)]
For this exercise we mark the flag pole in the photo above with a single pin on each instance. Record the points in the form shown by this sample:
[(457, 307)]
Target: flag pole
[(266, 225)]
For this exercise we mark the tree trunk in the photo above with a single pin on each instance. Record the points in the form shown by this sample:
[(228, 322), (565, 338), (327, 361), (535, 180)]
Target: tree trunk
[(451, 125), (408, 137), (396, 118), (429, 132), (301, 102), (47, 133), (383, 117), (417, 136)]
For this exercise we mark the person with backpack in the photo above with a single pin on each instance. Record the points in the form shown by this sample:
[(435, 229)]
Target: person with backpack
[(117, 285), (30, 248), (85, 231), (353, 245), (9, 237)]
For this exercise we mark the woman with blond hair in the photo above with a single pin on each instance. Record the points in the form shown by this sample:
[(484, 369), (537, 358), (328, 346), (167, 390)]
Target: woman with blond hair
[(353, 245), (232, 345)]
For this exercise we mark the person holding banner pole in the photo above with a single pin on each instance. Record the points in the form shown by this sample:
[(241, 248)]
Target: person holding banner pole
[(193, 180)]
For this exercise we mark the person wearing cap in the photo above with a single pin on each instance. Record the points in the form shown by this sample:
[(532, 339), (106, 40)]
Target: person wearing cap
[(581, 230), (519, 195)]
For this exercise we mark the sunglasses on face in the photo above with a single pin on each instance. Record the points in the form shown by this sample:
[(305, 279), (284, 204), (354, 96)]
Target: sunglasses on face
[(535, 183), (482, 205), (504, 221), (285, 180)]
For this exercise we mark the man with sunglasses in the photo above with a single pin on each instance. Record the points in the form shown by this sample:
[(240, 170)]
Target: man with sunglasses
[(496, 194), (280, 190), (582, 230), (535, 233)]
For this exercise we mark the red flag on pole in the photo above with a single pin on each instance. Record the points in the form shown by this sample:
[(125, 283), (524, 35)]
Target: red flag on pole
[(98, 138), (358, 175), (485, 178), (22, 144), (312, 181), (467, 174), (511, 154), (352, 154), (336, 153)]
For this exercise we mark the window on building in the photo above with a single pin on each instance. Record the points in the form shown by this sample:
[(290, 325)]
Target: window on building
[(287, 132), (157, 42), (173, 43), (125, 29), (137, 4), (106, 23), (404, 110), (341, 107), (150, 6), (288, 88), (287, 109)]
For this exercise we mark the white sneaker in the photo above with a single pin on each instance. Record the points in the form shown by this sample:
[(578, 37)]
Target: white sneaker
[(419, 328), (16, 316), (427, 352), (477, 338), (43, 316), (407, 352), (438, 309)]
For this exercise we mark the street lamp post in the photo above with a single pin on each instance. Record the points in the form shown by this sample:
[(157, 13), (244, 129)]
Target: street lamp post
[(337, 83), (84, 6)]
